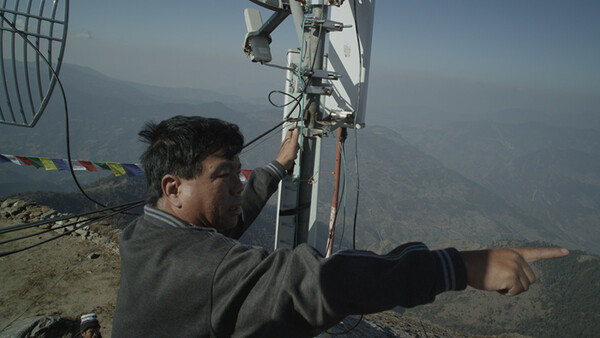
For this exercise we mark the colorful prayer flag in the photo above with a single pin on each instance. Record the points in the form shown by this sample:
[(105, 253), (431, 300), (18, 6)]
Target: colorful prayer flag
[(102, 165), (246, 173), (12, 158), (35, 161), (25, 160), (116, 168), (76, 165), (60, 164), (132, 169), (3, 159), (47, 163), (88, 165)]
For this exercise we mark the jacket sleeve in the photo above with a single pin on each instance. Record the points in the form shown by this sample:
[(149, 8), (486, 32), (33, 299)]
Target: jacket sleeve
[(298, 291), (261, 185)]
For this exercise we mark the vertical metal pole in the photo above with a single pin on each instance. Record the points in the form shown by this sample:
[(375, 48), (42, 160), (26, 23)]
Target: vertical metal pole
[(287, 199), (303, 210), (312, 60)]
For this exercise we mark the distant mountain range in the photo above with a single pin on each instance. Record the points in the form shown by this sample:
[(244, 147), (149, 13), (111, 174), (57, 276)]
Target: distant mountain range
[(548, 172), (562, 303), (449, 182), (407, 196), (454, 181)]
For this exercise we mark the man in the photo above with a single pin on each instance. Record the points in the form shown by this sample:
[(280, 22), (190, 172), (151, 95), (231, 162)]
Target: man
[(185, 275), (89, 326)]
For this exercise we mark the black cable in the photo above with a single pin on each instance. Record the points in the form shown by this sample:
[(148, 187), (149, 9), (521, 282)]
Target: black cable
[(285, 119), (357, 189), (347, 330), (264, 134), (82, 224), (54, 220), (342, 198), (35, 224), (355, 132), (257, 144), (92, 219), (62, 218), (295, 98)]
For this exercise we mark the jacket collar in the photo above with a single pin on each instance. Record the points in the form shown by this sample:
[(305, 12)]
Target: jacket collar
[(158, 216)]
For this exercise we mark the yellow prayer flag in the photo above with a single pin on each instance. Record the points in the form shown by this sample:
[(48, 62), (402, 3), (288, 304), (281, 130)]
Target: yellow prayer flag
[(48, 164), (116, 168)]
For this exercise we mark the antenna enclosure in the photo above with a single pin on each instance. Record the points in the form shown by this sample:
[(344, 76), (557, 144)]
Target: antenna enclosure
[(256, 46), (350, 55)]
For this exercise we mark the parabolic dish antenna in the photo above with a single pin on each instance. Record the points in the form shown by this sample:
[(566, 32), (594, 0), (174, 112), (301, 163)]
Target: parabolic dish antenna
[(32, 45)]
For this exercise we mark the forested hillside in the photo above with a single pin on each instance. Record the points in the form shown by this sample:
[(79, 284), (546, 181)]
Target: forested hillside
[(547, 170), (562, 303)]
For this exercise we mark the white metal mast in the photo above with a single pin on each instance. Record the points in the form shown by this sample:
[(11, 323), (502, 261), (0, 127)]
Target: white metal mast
[(329, 98)]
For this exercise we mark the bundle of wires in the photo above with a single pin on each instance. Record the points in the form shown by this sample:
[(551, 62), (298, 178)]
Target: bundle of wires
[(106, 212), (70, 223)]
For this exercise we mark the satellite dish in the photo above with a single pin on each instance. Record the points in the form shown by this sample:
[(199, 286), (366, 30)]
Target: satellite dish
[(32, 45)]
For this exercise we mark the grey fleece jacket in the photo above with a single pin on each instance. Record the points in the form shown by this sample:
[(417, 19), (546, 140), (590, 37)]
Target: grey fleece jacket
[(179, 280)]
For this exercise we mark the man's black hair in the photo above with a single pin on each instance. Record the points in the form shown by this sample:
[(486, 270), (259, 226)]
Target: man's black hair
[(177, 146)]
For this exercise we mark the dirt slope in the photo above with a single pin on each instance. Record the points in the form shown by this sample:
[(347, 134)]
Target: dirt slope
[(67, 276)]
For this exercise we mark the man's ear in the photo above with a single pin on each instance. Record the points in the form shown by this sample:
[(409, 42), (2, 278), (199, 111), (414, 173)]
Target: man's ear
[(170, 187)]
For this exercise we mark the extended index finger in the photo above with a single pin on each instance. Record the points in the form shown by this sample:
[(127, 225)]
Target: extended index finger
[(535, 254)]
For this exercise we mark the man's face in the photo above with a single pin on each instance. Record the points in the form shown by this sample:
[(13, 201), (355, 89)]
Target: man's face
[(214, 197), (91, 332)]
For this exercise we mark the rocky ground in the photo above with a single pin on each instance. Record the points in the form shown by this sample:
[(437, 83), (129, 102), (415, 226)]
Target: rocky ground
[(79, 272), (71, 275)]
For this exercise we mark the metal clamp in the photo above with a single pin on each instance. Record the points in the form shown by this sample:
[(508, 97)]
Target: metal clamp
[(322, 74), (323, 89)]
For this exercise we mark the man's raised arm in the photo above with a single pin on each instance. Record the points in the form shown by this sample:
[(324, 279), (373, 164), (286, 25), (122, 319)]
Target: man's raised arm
[(263, 182)]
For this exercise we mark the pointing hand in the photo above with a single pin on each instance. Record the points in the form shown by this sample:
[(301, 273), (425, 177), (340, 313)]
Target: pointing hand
[(505, 270)]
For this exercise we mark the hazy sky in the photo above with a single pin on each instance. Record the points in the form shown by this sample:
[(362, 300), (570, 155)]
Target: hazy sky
[(460, 56)]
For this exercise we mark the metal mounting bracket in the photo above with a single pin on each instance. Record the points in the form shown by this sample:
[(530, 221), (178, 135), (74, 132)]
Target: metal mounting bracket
[(323, 89), (322, 74)]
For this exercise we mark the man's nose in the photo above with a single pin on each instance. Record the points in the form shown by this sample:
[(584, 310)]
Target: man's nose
[(237, 185)]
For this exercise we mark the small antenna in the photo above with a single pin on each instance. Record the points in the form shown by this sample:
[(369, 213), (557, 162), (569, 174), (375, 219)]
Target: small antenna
[(257, 40), (256, 46)]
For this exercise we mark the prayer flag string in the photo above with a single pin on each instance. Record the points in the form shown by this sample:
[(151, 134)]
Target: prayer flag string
[(117, 168)]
